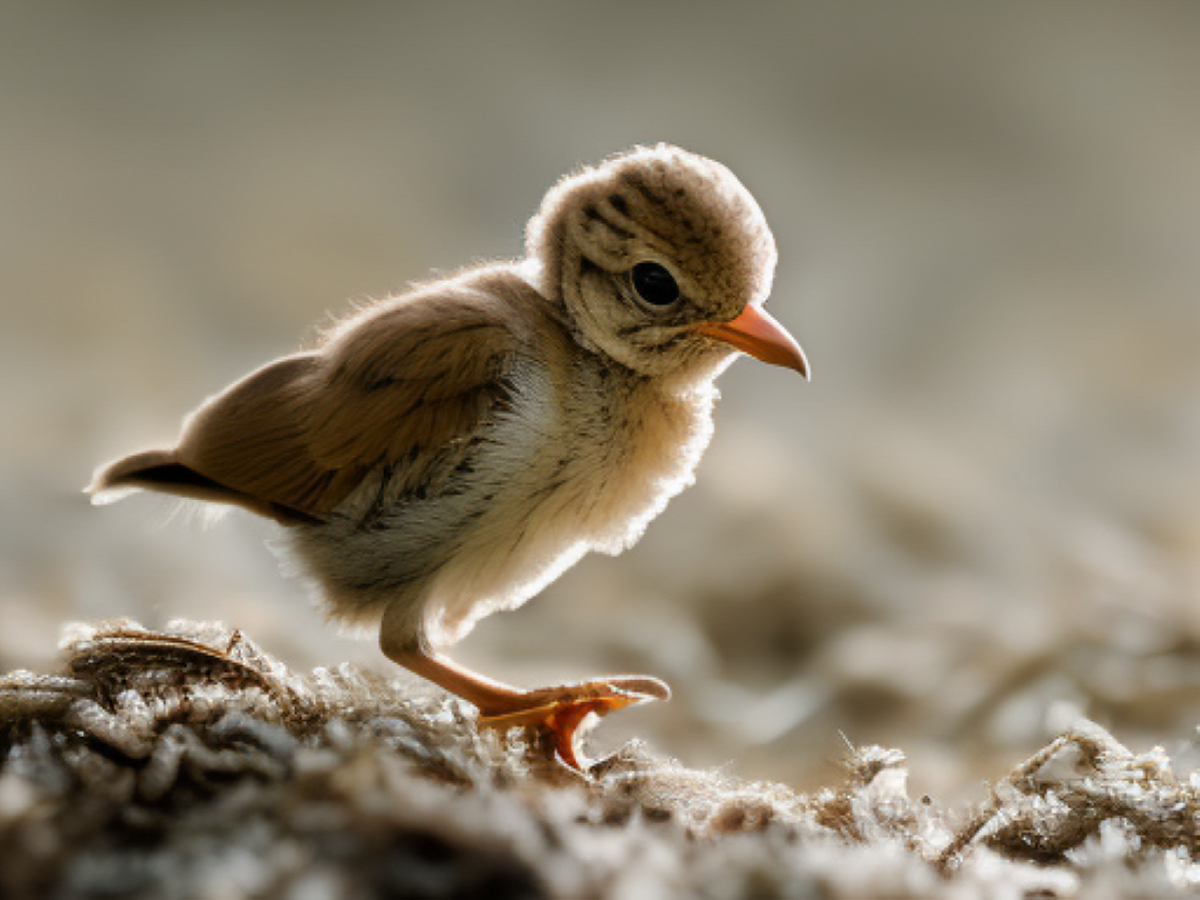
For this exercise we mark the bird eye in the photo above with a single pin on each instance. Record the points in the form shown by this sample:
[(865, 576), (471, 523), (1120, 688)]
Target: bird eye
[(654, 284)]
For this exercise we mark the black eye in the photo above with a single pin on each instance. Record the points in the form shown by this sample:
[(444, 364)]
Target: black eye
[(654, 284)]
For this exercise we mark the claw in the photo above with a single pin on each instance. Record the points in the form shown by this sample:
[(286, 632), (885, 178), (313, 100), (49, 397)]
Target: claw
[(561, 718)]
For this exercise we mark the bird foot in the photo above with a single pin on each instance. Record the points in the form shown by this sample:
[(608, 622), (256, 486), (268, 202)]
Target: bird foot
[(560, 711)]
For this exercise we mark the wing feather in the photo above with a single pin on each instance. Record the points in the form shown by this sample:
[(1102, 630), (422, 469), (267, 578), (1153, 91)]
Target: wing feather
[(401, 381)]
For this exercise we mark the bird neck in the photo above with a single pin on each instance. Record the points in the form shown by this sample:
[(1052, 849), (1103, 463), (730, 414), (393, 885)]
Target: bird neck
[(534, 272)]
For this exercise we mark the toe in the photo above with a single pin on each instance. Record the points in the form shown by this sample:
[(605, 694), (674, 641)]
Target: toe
[(641, 685)]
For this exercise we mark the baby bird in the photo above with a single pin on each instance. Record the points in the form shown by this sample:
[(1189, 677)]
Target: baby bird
[(448, 452)]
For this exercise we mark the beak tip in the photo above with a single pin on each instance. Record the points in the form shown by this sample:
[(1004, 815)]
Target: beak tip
[(798, 362)]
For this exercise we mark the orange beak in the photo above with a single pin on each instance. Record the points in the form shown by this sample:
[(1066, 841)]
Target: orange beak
[(756, 333)]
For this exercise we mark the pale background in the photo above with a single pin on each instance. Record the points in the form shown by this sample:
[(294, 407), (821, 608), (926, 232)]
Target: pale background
[(980, 519)]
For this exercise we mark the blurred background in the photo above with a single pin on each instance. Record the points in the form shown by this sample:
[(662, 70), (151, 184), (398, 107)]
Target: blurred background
[(980, 519)]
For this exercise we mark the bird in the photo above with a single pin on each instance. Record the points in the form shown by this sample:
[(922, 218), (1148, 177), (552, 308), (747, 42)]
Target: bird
[(445, 453)]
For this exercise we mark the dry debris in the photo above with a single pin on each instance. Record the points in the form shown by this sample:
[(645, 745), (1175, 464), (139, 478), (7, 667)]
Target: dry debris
[(191, 764)]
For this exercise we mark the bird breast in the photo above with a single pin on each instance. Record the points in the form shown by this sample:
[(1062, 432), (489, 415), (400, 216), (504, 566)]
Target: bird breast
[(627, 448), (575, 463)]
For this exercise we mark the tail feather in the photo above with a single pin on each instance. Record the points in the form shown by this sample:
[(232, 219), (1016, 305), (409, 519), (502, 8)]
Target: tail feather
[(132, 473), (161, 470)]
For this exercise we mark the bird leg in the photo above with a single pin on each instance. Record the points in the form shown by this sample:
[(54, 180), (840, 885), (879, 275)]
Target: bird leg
[(557, 710)]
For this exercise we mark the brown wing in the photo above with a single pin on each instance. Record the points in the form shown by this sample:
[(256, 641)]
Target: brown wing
[(398, 383)]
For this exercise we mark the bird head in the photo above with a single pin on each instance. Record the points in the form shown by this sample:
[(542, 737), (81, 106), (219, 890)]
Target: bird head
[(662, 260)]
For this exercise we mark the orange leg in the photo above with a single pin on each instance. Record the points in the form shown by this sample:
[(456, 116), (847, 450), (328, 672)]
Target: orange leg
[(559, 710)]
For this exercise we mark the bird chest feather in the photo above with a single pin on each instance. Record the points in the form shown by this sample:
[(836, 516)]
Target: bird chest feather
[(618, 447)]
